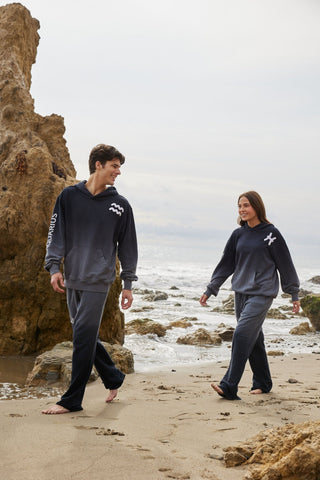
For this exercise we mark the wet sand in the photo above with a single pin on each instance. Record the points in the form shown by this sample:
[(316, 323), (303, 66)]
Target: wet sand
[(162, 425)]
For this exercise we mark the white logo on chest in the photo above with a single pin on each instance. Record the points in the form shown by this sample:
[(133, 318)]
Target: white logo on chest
[(270, 238), (116, 209)]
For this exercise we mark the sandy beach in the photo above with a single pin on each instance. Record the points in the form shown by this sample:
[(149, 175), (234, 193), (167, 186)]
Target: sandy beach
[(167, 424)]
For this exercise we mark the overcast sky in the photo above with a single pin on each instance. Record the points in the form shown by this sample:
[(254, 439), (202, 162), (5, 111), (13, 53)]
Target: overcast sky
[(205, 98)]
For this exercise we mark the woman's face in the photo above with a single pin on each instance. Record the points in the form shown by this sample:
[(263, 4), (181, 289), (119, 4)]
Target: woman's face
[(247, 212)]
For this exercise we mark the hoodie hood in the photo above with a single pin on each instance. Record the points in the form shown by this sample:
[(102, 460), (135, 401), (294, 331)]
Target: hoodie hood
[(110, 191), (258, 228)]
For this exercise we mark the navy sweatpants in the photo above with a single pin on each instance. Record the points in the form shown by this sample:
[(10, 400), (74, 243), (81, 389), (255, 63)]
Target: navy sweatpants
[(248, 344), (86, 309)]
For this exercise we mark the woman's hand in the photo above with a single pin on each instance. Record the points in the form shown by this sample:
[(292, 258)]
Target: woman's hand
[(296, 306), (203, 300)]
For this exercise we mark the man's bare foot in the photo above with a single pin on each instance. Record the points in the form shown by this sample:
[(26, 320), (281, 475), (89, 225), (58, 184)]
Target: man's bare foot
[(256, 391), (55, 410), (112, 395), (217, 389)]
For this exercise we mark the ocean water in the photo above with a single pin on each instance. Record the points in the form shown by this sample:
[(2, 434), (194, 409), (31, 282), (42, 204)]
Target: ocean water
[(189, 271)]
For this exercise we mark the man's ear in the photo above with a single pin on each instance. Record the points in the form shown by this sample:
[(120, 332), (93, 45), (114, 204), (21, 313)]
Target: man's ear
[(98, 165)]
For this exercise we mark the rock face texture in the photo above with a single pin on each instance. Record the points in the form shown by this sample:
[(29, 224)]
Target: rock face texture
[(311, 308), (290, 452), (34, 167)]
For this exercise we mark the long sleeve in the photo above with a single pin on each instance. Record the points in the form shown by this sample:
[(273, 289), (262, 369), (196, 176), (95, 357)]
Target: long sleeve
[(281, 256), (56, 239), (128, 250), (224, 269)]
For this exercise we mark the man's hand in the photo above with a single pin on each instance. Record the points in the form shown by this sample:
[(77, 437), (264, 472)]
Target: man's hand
[(126, 299), (57, 282)]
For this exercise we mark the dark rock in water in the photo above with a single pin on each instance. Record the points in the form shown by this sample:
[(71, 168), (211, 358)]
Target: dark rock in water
[(145, 326), (225, 332), (277, 314), (311, 308), (200, 337), (34, 167), (315, 280), (227, 306), (183, 323), (301, 329), (156, 296)]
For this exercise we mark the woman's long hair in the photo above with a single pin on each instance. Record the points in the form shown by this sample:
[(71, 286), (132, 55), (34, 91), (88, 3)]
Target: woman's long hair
[(257, 204)]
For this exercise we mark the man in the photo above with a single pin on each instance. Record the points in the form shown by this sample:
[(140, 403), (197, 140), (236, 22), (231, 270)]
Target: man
[(90, 225)]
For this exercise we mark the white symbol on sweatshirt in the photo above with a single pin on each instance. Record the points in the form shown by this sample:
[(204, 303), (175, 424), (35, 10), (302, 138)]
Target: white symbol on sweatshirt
[(116, 209), (270, 238)]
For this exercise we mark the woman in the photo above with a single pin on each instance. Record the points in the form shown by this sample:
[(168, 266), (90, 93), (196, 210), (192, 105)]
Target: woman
[(254, 254)]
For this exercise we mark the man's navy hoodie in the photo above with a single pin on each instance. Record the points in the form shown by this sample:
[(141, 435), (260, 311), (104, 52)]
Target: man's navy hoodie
[(87, 232), (255, 256)]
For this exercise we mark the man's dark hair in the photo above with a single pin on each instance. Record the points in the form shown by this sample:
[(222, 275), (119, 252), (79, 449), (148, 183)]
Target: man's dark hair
[(103, 153)]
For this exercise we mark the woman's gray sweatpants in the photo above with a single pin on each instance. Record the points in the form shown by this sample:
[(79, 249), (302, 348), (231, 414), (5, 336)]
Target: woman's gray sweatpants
[(248, 344), (86, 309)]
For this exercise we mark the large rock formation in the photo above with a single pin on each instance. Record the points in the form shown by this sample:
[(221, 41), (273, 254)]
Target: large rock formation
[(290, 452), (34, 167)]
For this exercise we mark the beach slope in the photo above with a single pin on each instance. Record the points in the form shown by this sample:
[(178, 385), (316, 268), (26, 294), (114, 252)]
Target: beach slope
[(162, 425)]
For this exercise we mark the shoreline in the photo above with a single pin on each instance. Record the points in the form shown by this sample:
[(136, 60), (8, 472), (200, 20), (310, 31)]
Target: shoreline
[(164, 424)]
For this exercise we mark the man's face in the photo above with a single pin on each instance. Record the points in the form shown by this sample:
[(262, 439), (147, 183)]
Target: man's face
[(109, 172)]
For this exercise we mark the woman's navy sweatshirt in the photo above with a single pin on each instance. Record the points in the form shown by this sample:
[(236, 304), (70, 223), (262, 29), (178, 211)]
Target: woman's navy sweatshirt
[(255, 256), (87, 232)]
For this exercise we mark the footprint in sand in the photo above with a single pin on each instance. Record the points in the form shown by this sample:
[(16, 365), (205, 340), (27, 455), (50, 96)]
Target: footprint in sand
[(101, 431), (84, 427), (109, 431)]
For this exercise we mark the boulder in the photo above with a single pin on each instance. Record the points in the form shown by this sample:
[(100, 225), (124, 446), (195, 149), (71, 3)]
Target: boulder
[(302, 329), (34, 168), (145, 326), (275, 353), (225, 332), (276, 314), (55, 365), (182, 323), (311, 308), (200, 337), (227, 306), (315, 280), (288, 452), (155, 296)]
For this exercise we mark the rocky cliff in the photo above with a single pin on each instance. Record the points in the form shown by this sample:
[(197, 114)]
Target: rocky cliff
[(34, 167)]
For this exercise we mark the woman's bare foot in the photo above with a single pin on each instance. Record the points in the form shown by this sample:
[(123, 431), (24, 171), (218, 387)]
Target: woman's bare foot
[(55, 410), (112, 395), (217, 389), (256, 391)]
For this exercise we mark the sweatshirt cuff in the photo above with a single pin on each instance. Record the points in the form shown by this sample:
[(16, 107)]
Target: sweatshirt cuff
[(208, 293), (295, 297), (54, 269), (127, 285)]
